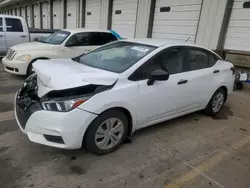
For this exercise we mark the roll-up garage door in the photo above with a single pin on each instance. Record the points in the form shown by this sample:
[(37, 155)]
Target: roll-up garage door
[(124, 17), (22, 12), (237, 37), (93, 14), (18, 12), (176, 19), (57, 14), (45, 15), (36, 16), (28, 9), (72, 13)]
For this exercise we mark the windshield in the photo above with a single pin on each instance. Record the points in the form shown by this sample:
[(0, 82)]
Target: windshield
[(56, 38), (116, 57)]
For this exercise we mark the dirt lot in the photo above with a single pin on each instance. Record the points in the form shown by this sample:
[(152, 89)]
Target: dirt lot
[(192, 151)]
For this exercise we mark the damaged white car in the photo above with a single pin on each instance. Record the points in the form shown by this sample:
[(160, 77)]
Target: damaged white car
[(97, 99)]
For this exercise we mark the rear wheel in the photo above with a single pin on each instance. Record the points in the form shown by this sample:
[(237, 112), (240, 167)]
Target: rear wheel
[(106, 132), (216, 102)]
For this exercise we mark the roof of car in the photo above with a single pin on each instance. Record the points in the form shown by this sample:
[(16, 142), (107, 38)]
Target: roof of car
[(165, 42), (160, 42), (77, 30)]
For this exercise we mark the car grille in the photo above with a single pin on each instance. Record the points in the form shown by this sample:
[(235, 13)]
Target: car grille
[(10, 54)]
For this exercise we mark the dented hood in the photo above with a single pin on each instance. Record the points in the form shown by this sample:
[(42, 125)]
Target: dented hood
[(62, 74)]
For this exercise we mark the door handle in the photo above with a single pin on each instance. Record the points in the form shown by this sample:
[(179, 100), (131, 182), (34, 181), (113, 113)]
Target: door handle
[(182, 82), (23, 36), (216, 71)]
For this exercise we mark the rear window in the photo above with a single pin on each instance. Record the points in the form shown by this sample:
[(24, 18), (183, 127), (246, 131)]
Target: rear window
[(14, 25)]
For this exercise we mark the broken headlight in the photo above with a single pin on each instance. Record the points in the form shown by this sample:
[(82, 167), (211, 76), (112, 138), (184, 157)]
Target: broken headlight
[(63, 106)]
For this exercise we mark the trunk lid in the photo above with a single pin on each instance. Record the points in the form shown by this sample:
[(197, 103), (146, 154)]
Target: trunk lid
[(60, 74)]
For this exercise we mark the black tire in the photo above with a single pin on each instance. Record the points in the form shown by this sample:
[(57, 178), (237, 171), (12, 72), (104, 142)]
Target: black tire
[(209, 109), (30, 67), (239, 86), (89, 138), (29, 70)]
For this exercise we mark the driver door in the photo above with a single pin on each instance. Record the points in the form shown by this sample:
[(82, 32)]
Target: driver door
[(163, 99)]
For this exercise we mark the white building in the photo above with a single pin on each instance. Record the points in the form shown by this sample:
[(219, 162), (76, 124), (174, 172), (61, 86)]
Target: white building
[(222, 25)]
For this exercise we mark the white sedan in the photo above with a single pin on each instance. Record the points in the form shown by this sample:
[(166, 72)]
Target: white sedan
[(98, 99), (67, 43)]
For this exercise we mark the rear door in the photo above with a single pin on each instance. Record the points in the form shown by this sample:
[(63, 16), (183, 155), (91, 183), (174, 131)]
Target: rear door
[(2, 38), (15, 32), (199, 73)]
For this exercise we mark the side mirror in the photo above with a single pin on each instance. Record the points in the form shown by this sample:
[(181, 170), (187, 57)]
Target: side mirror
[(158, 75)]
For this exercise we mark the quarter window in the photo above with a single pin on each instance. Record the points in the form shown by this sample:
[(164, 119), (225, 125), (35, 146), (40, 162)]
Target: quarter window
[(98, 39), (212, 60), (14, 25)]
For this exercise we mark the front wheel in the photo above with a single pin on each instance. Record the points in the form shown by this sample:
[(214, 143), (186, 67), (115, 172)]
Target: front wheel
[(106, 132), (216, 102), (30, 70)]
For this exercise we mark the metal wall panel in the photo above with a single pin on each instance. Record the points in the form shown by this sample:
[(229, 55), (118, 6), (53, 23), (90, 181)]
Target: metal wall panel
[(93, 14), (29, 15), (237, 37), (176, 19), (124, 17), (57, 14), (36, 16), (45, 15), (72, 13)]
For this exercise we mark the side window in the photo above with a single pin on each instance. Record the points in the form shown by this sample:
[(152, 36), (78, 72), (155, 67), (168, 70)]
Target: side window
[(14, 25), (99, 39), (169, 60), (212, 60), (198, 59), (1, 24), (79, 39)]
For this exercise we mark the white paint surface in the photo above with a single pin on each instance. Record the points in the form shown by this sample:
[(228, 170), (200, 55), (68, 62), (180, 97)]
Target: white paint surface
[(237, 37), (45, 15), (180, 22), (57, 14), (72, 13), (93, 14), (124, 23), (36, 16)]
